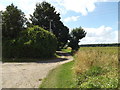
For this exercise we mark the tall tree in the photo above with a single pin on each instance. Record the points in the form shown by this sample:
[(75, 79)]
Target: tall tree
[(13, 21), (76, 35), (46, 17)]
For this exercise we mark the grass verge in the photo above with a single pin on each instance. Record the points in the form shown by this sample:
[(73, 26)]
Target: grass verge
[(61, 77)]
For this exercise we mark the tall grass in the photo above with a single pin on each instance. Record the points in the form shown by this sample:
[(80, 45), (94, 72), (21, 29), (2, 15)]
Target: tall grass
[(97, 67)]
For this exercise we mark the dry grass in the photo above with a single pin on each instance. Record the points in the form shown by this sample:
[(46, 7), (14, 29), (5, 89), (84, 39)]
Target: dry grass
[(97, 67), (96, 56)]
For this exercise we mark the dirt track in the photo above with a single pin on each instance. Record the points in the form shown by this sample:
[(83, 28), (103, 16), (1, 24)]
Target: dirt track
[(29, 75)]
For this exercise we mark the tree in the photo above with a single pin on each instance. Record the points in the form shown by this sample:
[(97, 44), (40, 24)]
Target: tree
[(46, 17), (13, 21), (75, 36)]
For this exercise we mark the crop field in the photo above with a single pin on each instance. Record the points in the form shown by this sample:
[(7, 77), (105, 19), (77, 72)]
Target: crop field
[(97, 67)]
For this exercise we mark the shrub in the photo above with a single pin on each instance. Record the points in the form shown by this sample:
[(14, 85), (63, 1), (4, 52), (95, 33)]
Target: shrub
[(34, 42)]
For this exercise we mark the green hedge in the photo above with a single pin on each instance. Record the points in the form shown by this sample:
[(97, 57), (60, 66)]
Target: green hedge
[(35, 42)]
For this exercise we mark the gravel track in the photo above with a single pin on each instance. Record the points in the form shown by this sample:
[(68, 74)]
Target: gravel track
[(29, 75)]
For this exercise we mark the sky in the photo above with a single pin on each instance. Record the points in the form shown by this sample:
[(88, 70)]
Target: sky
[(99, 18)]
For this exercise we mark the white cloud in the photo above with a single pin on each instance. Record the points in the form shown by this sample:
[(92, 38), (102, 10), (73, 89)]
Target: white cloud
[(58, 6), (99, 35), (2, 8), (80, 6), (72, 18), (27, 6), (62, 6)]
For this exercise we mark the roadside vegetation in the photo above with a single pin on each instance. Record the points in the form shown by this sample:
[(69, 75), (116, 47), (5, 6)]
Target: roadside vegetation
[(37, 37), (97, 67), (60, 77), (35, 42), (93, 67)]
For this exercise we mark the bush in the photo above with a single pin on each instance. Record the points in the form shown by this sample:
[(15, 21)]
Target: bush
[(35, 42)]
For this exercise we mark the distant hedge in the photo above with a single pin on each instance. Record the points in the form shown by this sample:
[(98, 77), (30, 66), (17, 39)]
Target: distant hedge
[(34, 42), (101, 45)]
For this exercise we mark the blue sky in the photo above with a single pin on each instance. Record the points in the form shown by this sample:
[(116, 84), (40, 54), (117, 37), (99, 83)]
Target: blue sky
[(99, 18), (105, 13)]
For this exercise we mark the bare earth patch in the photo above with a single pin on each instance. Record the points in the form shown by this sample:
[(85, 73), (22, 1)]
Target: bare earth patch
[(29, 75)]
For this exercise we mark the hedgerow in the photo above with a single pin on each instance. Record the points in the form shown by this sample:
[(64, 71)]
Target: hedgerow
[(34, 42)]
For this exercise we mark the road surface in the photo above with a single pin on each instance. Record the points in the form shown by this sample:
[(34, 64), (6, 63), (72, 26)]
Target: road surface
[(29, 74)]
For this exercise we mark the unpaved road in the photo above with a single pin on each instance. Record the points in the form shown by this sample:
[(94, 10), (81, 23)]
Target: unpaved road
[(29, 75)]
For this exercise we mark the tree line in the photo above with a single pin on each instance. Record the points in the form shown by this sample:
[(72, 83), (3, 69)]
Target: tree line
[(15, 26), (101, 45)]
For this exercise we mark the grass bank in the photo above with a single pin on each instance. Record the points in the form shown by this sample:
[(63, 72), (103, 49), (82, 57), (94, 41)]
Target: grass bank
[(61, 77)]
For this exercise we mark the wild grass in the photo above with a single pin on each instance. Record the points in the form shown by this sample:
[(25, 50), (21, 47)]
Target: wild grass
[(97, 67)]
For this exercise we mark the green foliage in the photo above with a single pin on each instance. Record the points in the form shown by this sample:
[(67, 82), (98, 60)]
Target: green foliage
[(35, 42), (74, 44), (94, 71), (95, 78), (75, 36), (78, 33), (13, 20), (100, 82), (45, 14)]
